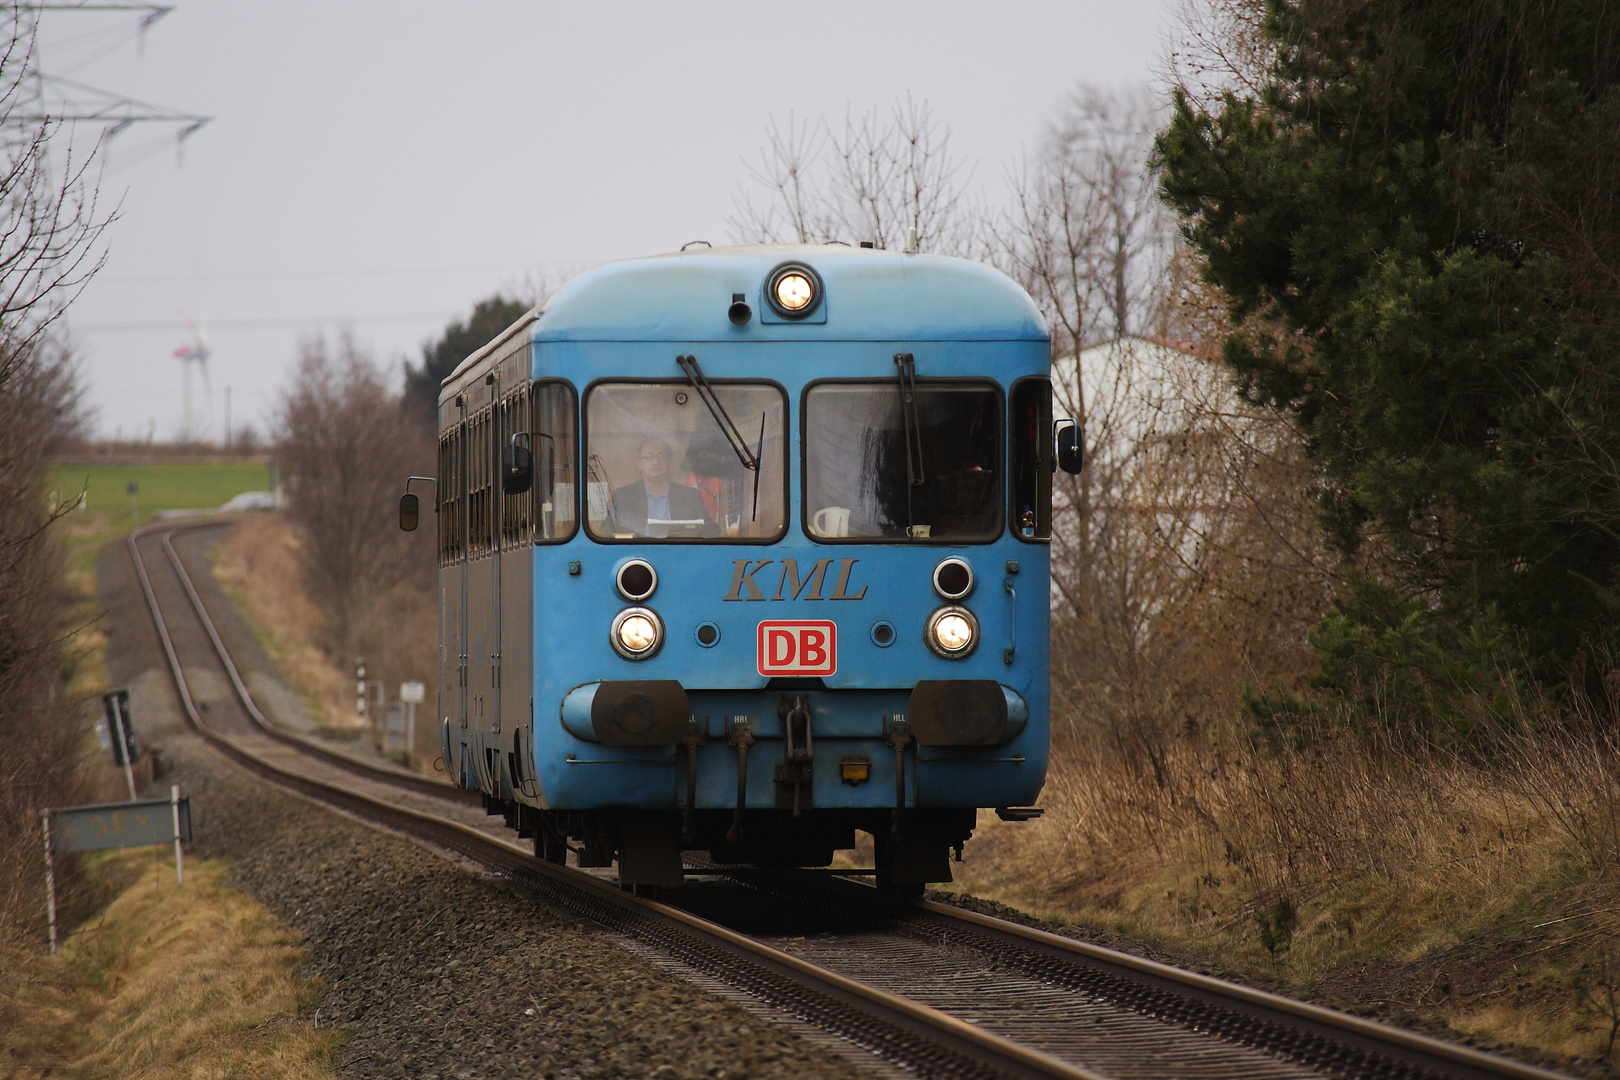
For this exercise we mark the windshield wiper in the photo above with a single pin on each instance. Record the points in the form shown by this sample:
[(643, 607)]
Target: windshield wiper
[(906, 372), (722, 419)]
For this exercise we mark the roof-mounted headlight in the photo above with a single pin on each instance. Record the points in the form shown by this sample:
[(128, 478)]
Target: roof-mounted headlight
[(793, 290), (952, 632), (637, 633)]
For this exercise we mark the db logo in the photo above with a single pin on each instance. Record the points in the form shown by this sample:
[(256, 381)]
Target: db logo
[(798, 647)]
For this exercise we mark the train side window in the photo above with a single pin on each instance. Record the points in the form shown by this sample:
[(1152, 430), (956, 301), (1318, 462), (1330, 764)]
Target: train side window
[(479, 477), (1030, 510), (553, 432), (449, 502), (517, 511)]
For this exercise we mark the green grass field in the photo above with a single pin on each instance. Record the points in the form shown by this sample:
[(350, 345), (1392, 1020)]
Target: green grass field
[(179, 486)]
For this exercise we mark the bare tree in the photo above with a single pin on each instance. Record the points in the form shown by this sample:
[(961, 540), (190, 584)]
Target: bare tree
[(1185, 558), (1218, 46), (1085, 233), (345, 445), (883, 177), (50, 245), (788, 170)]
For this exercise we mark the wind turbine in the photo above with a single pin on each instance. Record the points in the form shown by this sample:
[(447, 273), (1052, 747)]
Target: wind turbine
[(196, 353)]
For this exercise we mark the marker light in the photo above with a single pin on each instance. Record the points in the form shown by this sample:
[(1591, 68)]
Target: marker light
[(637, 633), (636, 579), (953, 578), (952, 632)]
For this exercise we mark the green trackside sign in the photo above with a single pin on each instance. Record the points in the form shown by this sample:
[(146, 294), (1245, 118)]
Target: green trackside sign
[(114, 825), (117, 825)]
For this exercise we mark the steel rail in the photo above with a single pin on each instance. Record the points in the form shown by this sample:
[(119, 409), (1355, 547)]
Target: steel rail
[(396, 777), (923, 1039), (917, 1036), (1296, 1029), (1413, 1047), (1311, 1035)]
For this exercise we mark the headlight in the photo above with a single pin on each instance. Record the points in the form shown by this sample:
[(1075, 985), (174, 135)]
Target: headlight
[(952, 632), (793, 290), (637, 633)]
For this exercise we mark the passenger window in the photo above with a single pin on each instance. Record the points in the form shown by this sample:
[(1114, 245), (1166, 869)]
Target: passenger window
[(555, 488), (661, 465), (1032, 449), (449, 497)]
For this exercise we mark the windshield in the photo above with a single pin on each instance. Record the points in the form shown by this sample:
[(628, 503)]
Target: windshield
[(857, 480), (659, 467)]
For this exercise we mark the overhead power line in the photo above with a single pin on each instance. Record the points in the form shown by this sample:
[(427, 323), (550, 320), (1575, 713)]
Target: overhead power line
[(260, 322), (264, 275)]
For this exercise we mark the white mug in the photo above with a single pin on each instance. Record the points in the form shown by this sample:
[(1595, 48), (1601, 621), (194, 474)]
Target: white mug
[(831, 521)]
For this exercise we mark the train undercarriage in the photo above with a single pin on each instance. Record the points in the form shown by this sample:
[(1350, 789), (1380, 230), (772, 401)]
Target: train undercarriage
[(911, 848)]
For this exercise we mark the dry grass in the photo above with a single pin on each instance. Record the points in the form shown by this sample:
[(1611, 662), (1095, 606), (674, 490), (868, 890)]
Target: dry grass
[(1485, 896), (170, 981), (260, 565)]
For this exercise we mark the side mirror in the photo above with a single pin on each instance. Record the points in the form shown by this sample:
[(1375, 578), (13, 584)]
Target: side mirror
[(409, 511), (1068, 446), (517, 469)]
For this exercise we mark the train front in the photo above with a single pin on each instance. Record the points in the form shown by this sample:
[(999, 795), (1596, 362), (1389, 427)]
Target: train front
[(807, 589)]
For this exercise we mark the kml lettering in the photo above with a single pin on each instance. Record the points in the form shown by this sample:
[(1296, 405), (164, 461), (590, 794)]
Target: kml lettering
[(789, 585)]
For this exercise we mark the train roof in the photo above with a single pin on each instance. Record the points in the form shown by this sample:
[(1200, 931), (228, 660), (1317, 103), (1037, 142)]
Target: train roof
[(868, 295)]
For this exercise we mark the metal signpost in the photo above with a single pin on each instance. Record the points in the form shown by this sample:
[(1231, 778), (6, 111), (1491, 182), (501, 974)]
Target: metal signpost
[(394, 729), (114, 825), (411, 693)]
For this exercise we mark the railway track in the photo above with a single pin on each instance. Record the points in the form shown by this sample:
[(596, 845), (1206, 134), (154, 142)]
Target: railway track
[(932, 989)]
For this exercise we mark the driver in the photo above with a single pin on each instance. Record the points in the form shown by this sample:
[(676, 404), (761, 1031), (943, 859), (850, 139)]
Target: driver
[(655, 498)]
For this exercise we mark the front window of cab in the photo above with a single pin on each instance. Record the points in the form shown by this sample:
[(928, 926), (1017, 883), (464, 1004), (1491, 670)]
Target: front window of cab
[(661, 465), (874, 470)]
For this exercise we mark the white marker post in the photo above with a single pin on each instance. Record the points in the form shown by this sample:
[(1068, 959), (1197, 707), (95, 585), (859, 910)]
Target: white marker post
[(410, 693), (179, 859)]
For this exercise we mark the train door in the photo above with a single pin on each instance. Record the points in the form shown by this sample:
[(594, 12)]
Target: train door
[(453, 585), (480, 571), (517, 579)]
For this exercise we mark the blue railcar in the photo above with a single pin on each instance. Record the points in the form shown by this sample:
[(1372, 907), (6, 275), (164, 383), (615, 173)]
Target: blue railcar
[(743, 550)]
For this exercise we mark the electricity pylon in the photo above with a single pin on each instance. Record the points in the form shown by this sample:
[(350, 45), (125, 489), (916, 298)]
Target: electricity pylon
[(44, 99)]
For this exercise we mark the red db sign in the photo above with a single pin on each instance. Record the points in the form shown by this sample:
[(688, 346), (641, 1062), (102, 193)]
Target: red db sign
[(798, 647)]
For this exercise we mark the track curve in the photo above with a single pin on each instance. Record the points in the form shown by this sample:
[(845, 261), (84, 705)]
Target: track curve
[(1178, 1009)]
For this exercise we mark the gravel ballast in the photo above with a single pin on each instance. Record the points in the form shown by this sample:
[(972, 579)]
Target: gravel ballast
[(441, 971), (433, 968)]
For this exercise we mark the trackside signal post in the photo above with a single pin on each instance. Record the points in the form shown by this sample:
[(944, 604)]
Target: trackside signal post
[(113, 825), (121, 734)]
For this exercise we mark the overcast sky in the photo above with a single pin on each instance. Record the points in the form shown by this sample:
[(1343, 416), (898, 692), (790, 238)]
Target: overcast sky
[(379, 167)]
